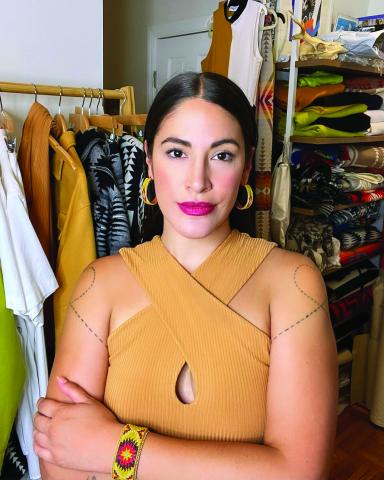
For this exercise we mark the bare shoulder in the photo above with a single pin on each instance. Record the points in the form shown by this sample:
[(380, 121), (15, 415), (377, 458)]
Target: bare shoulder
[(297, 290)]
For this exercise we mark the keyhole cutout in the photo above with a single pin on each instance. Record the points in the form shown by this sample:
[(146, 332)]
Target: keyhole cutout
[(185, 385)]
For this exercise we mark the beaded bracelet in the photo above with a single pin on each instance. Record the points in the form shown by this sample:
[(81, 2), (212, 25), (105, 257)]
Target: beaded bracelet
[(128, 452)]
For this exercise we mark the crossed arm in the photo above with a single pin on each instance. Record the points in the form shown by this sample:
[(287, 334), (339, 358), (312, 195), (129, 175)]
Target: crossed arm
[(301, 397)]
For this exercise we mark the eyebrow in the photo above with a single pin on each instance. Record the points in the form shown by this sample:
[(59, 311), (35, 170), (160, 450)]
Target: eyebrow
[(188, 144)]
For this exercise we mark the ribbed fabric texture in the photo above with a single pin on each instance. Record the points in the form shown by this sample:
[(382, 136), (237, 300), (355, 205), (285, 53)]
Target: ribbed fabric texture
[(189, 321)]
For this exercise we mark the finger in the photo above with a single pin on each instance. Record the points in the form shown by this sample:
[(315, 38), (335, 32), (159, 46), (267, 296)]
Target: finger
[(73, 391), (41, 439), (48, 407), (43, 453), (41, 422)]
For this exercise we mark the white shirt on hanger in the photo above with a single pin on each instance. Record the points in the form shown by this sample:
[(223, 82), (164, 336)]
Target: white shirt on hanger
[(245, 59), (28, 281)]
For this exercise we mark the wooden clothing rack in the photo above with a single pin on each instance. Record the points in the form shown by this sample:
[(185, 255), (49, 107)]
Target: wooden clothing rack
[(126, 94), (88, 92)]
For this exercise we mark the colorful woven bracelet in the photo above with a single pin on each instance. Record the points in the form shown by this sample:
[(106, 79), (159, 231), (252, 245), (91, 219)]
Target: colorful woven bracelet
[(128, 452)]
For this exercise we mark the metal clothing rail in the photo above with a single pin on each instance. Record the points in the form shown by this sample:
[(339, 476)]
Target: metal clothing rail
[(30, 88)]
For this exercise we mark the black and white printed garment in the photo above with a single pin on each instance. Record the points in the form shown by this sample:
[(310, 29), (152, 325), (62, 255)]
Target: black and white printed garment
[(132, 159), (114, 169), (104, 173)]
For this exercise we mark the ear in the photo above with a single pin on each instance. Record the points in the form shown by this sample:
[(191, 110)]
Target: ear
[(247, 167), (148, 160)]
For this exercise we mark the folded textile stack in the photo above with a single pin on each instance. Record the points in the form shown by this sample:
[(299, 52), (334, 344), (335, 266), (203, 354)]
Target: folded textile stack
[(310, 87), (365, 83), (313, 238), (345, 282)]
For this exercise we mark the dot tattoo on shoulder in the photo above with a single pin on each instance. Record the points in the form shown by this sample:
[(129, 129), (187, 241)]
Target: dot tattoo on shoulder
[(318, 307), (76, 312)]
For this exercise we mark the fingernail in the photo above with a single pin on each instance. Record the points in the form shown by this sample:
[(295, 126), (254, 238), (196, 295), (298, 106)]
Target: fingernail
[(61, 380)]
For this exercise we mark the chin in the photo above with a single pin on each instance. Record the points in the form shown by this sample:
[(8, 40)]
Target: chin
[(196, 228)]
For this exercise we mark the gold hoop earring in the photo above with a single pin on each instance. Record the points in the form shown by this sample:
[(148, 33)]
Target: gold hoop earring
[(144, 192), (249, 201)]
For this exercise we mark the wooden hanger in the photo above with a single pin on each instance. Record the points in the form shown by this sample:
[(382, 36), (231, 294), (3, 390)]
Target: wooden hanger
[(59, 125), (79, 120)]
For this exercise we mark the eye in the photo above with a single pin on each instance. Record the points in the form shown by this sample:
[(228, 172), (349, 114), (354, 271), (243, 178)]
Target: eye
[(175, 153), (224, 156)]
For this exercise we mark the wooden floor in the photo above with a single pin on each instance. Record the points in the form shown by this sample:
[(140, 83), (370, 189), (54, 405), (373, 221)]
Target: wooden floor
[(359, 453)]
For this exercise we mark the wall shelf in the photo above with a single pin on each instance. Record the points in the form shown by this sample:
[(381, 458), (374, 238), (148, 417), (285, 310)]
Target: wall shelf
[(336, 65), (337, 140)]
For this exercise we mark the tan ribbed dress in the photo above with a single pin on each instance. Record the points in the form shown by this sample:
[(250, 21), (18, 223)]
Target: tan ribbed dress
[(189, 321)]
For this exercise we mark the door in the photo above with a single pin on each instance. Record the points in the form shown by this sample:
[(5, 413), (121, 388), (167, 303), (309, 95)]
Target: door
[(179, 53)]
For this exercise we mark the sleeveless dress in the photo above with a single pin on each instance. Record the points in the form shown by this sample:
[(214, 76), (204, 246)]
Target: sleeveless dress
[(189, 321)]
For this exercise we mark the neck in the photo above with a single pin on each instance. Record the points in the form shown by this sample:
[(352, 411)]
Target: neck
[(191, 252)]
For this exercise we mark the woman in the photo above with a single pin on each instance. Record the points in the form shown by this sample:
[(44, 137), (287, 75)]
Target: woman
[(218, 343)]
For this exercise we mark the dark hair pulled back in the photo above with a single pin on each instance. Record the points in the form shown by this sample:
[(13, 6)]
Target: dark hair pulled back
[(216, 89)]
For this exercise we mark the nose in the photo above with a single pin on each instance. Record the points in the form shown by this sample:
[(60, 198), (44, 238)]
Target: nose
[(198, 179)]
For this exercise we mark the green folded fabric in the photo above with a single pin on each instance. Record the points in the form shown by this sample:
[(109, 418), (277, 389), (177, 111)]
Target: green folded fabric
[(318, 78), (12, 372), (311, 114), (323, 131)]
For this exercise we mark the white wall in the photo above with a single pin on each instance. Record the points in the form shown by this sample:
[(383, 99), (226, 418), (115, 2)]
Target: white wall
[(50, 43), (126, 23), (353, 8), (375, 7)]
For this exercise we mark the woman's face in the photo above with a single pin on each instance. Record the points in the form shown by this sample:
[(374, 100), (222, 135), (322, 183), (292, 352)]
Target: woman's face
[(198, 164)]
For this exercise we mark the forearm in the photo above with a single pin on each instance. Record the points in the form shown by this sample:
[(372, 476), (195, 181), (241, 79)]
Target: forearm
[(166, 458), (49, 471)]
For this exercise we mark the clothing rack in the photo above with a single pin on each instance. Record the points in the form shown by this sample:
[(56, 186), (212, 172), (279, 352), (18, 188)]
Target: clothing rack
[(30, 88)]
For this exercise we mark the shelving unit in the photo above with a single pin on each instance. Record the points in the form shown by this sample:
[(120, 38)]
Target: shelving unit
[(360, 323)]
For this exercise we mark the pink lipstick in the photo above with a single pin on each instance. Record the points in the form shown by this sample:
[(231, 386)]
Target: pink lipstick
[(197, 209)]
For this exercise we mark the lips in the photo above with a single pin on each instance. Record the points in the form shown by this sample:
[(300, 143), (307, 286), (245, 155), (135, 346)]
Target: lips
[(197, 209)]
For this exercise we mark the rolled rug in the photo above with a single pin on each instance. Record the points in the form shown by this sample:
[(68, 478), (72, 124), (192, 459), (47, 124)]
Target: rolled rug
[(363, 156)]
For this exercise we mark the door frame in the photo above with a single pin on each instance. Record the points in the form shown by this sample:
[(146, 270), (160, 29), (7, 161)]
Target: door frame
[(157, 32)]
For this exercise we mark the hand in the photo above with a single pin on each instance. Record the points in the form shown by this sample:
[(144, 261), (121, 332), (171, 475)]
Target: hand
[(79, 435)]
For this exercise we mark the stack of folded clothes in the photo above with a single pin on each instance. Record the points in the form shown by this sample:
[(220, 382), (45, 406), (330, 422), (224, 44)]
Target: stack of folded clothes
[(350, 297), (325, 109), (313, 238)]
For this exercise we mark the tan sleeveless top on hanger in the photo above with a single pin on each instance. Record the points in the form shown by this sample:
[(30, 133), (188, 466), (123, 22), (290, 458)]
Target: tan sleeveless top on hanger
[(189, 321), (217, 59)]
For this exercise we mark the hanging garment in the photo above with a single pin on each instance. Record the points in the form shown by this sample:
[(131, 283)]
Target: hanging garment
[(33, 158), (217, 59), (15, 464), (76, 241), (373, 102), (28, 281), (189, 321), (12, 372), (264, 121), (110, 216), (306, 96), (245, 59), (132, 155), (318, 78)]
